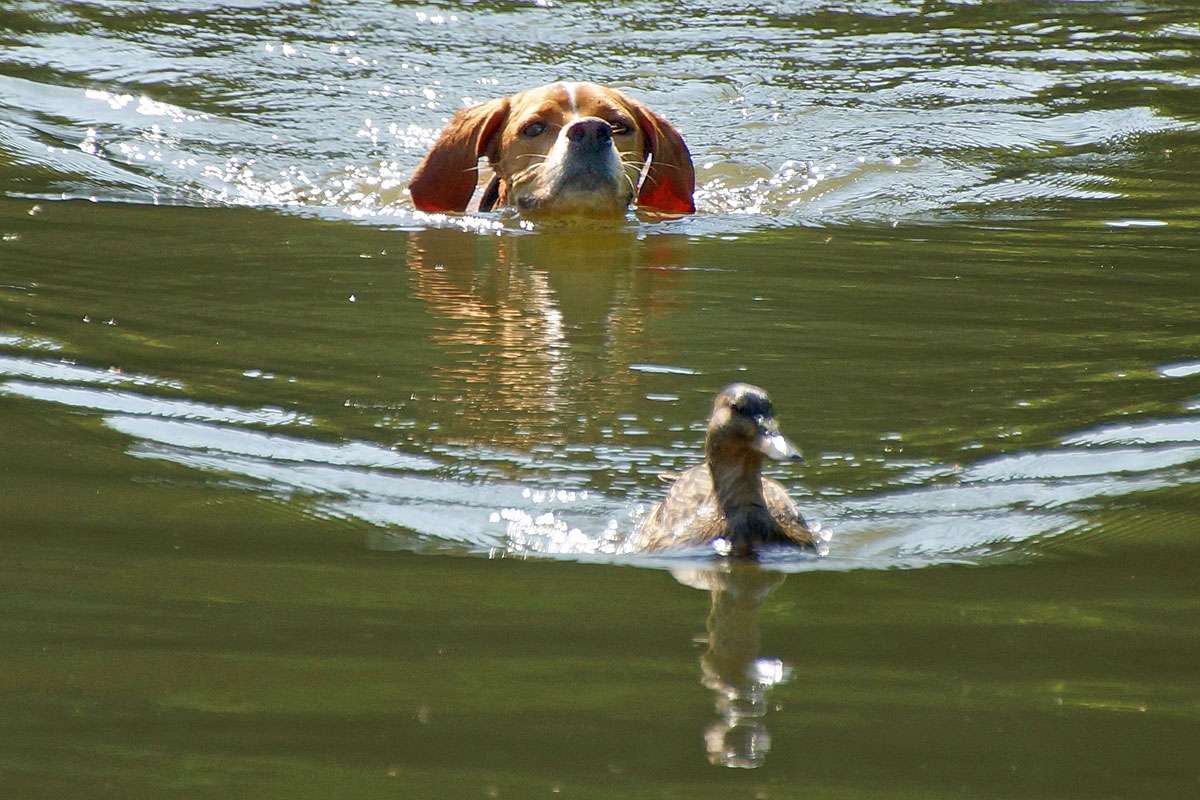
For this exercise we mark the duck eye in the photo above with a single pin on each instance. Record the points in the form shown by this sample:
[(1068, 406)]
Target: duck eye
[(534, 129)]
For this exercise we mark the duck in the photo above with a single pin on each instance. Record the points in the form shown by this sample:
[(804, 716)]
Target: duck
[(726, 499)]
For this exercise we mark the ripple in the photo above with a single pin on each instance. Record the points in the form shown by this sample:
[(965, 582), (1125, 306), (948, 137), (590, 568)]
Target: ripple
[(415, 502), (69, 371), (1135, 223), (25, 342), (1144, 433), (132, 403), (213, 438), (1183, 369), (662, 369), (1063, 464)]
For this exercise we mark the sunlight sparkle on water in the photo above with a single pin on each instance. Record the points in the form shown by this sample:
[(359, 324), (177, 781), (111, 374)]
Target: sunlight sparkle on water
[(1135, 223), (1181, 370)]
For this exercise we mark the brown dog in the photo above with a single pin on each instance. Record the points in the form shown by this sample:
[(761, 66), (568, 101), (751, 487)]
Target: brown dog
[(563, 148)]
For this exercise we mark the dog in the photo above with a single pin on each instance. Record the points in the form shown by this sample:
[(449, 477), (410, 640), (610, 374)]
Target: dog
[(564, 148)]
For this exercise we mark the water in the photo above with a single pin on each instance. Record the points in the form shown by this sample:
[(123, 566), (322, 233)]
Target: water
[(306, 492)]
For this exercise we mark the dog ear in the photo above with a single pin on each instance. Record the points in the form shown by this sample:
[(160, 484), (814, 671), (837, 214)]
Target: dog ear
[(671, 178), (445, 179), (491, 195)]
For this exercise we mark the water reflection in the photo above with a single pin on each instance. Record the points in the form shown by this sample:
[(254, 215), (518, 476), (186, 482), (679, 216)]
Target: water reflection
[(539, 346), (731, 666)]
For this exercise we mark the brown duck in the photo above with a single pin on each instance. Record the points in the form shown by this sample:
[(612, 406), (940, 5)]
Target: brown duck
[(727, 497)]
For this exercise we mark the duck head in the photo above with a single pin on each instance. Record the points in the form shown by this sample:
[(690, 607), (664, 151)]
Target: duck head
[(743, 424)]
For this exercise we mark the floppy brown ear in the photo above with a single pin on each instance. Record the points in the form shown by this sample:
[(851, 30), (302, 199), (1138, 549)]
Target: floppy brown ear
[(671, 178), (445, 179)]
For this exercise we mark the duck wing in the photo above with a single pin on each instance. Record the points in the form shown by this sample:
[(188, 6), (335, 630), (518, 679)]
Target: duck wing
[(687, 516), (786, 514)]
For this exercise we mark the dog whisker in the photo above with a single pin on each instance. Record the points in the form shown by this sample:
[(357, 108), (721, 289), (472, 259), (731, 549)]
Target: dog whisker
[(666, 164), (629, 180), (520, 176)]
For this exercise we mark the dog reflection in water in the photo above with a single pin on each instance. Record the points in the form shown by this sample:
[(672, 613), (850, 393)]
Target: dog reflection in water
[(731, 666)]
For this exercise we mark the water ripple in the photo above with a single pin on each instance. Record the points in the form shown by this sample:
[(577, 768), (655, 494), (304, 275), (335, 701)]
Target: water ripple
[(417, 502), (132, 403)]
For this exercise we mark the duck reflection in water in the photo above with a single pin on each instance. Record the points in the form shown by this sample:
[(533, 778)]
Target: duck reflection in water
[(731, 666)]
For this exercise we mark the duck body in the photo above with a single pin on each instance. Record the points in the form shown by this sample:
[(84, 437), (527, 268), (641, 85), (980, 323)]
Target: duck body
[(691, 515), (727, 496)]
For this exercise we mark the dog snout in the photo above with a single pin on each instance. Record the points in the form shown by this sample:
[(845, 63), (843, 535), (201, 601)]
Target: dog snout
[(590, 130)]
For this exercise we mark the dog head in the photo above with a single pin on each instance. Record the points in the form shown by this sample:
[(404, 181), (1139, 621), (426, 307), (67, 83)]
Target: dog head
[(564, 148)]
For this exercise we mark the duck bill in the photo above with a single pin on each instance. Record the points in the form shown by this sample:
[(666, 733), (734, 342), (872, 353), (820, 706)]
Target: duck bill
[(773, 444)]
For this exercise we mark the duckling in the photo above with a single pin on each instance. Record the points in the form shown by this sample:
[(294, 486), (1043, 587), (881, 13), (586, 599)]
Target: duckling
[(727, 497)]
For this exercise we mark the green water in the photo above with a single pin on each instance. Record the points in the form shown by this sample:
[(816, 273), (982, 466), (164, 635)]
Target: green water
[(305, 495)]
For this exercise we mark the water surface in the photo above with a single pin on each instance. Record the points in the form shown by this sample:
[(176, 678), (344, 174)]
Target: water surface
[(306, 492)]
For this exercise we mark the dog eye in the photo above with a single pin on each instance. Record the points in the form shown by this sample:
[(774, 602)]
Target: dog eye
[(534, 129), (619, 127)]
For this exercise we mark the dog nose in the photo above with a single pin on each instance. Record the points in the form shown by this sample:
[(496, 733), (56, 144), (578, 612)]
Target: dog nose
[(589, 130)]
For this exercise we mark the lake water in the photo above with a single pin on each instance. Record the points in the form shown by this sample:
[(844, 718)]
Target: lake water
[(306, 494)]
